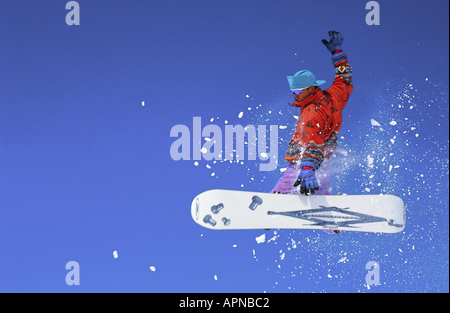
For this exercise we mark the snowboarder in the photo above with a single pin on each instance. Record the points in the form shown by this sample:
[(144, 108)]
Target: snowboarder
[(318, 125)]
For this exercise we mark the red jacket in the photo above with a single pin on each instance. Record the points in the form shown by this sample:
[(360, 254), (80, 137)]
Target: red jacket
[(320, 119)]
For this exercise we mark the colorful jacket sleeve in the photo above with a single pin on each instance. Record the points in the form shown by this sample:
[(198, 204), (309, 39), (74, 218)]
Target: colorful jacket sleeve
[(342, 86)]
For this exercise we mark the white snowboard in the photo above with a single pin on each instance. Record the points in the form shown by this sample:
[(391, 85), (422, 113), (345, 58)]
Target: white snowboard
[(228, 209)]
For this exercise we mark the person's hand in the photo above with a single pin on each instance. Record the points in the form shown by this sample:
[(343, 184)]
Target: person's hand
[(336, 41), (307, 180)]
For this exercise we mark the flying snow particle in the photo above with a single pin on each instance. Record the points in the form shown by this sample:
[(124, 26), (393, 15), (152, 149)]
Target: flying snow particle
[(393, 123), (247, 96), (152, 268), (283, 127), (241, 114), (374, 123), (215, 277), (196, 163), (370, 161), (342, 151), (367, 189), (342, 260), (294, 245), (115, 254), (143, 103), (203, 150), (261, 238), (274, 238)]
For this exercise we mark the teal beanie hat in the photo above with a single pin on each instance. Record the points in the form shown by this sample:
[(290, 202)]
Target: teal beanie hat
[(303, 79)]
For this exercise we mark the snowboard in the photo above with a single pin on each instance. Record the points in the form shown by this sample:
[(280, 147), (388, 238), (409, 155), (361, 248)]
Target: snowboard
[(229, 209)]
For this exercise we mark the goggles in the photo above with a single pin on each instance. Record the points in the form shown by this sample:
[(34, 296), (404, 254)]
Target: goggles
[(298, 91)]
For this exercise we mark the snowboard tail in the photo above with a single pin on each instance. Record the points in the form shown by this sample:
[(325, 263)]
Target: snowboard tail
[(228, 209)]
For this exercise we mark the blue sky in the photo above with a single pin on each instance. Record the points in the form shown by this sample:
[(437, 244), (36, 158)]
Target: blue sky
[(86, 168)]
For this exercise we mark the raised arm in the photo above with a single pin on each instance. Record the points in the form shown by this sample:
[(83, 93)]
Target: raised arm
[(342, 86)]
